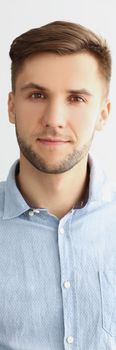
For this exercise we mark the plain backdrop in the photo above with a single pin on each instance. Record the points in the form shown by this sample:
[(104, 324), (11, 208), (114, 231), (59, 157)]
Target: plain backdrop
[(17, 17)]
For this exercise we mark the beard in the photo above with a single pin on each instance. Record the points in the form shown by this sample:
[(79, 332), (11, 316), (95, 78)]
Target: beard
[(41, 164)]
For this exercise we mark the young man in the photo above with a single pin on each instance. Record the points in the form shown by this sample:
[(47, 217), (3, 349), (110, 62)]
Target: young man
[(57, 208)]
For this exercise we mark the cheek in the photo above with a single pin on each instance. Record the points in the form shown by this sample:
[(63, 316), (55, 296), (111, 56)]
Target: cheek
[(83, 122), (29, 115), (23, 124), (23, 110), (24, 117)]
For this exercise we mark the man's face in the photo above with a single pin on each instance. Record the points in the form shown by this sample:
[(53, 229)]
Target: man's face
[(57, 106)]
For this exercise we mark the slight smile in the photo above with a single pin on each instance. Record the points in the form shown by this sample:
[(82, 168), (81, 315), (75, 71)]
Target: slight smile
[(52, 142)]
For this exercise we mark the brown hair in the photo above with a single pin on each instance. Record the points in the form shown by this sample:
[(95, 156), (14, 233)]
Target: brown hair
[(61, 38)]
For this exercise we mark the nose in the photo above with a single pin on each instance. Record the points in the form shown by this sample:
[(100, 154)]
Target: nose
[(54, 115)]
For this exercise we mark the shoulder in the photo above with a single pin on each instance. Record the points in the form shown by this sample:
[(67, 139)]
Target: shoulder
[(112, 190), (109, 193)]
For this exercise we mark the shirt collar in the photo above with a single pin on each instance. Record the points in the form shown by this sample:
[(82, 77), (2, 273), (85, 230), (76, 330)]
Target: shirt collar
[(99, 190)]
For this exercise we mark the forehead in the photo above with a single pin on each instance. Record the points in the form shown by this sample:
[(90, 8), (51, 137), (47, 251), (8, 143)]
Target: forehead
[(59, 71)]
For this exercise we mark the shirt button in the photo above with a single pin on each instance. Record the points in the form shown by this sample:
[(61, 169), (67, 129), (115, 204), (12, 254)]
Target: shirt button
[(31, 212), (66, 284), (62, 230), (70, 340), (36, 211)]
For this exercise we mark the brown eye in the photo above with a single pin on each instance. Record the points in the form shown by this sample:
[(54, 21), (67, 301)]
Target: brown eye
[(37, 95), (77, 99)]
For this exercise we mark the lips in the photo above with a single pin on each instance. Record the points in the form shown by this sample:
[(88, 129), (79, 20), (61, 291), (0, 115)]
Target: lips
[(52, 141)]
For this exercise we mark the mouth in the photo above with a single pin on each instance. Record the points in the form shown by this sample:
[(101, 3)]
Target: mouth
[(53, 142)]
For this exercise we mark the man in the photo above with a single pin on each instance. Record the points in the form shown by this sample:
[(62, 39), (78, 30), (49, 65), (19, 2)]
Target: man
[(57, 208)]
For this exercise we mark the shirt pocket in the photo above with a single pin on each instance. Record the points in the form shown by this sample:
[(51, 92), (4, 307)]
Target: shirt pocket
[(108, 295)]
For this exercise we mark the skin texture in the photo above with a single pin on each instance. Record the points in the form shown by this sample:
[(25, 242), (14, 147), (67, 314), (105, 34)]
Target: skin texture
[(55, 127)]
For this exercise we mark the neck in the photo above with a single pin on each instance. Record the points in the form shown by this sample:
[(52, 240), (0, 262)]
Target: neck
[(56, 192)]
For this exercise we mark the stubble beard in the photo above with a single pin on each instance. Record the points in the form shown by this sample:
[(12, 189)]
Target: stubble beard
[(41, 164)]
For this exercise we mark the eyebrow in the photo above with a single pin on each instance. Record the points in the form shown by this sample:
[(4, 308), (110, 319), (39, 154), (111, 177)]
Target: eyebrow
[(42, 88)]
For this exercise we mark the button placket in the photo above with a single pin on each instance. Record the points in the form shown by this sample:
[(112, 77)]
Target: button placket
[(61, 231), (70, 339), (68, 286)]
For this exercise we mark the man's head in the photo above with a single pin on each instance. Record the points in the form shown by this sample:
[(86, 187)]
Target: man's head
[(69, 68), (61, 38)]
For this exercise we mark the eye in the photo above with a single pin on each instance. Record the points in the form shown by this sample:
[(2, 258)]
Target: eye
[(77, 99), (37, 95)]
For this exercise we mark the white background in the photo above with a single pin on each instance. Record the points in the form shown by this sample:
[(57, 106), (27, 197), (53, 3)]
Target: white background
[(17, 17)]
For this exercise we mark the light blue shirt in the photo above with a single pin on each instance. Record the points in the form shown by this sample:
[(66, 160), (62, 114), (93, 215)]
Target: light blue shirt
[(58, 276)]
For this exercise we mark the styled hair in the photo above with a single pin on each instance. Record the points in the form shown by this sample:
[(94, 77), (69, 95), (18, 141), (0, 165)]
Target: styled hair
[(61, 38)]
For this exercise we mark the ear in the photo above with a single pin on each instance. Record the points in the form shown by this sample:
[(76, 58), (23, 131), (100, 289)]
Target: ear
[(11, 107), (104, 114)]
